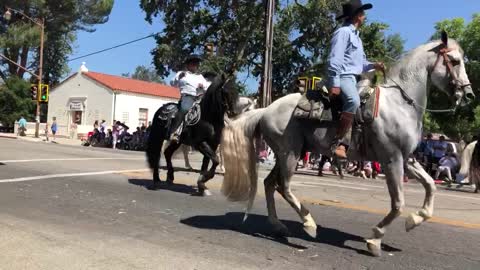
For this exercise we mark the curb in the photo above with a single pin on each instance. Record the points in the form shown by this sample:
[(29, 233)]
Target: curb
[(8, 137)]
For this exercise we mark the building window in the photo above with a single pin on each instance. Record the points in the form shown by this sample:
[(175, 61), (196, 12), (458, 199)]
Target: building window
[(125, 117), (142, 117)]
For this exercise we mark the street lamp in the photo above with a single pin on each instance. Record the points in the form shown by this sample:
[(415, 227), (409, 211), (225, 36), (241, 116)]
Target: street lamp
[(40, 23)]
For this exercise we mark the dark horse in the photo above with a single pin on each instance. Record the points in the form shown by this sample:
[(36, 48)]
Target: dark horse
[(220, 99)]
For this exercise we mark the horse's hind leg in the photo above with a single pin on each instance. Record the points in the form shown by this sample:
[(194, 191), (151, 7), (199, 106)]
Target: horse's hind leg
[(172, 147), (270, 184), (285, 175), (415, 219), (394, 174)]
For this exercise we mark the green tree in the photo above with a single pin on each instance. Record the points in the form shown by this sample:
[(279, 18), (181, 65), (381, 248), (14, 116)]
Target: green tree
[(301, 37), (15, 101), (233, 26), (464, 122), (301, 42), (63, 19), (144, 73), (378, 46)]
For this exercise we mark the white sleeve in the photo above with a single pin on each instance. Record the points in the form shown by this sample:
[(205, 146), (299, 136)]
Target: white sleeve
[(205, 83), (174, 82)]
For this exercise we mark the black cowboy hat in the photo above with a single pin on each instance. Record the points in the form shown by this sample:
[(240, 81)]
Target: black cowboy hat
[(194, 58), (352, 8)]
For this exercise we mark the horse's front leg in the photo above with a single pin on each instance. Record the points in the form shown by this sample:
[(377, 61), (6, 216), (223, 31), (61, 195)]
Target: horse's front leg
[(415, 219), (394, 174), (172, 147), (205, 175)]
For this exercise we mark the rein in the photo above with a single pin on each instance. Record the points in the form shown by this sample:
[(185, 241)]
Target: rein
[(412, 102)]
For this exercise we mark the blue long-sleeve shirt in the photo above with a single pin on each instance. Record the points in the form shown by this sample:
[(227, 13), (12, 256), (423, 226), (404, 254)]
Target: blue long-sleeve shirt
[(347, 56)]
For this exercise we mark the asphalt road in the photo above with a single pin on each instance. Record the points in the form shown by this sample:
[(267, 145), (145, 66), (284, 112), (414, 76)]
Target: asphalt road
[(64, 207)]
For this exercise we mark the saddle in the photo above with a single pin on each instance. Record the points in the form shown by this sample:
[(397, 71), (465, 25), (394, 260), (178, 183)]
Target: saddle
[(315, 104), (192, 117)]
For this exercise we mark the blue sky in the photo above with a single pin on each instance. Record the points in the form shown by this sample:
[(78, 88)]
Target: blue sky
[(413, 19)]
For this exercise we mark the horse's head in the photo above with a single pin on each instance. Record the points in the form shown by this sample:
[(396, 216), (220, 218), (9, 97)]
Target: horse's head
[(448, 72), (221, 93), (229, 96)]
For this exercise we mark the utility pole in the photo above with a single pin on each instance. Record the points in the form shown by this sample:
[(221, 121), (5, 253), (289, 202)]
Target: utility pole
[(267, 60), (40, 72)]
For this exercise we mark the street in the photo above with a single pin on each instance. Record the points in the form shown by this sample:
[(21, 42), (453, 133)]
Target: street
[(72, 207)]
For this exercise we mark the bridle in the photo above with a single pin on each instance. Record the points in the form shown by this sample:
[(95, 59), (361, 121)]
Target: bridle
[(443, 53)]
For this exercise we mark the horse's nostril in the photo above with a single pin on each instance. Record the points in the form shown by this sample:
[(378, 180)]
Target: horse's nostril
[(470, 96)]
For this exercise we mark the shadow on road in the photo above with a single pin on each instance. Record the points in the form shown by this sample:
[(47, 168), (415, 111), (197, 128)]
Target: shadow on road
[(181, 169), (258, 226), (180, 188), (2, 163)]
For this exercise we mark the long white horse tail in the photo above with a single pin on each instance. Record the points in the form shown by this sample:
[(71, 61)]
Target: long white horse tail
[(240, 160), (467, 158), (474, 170)]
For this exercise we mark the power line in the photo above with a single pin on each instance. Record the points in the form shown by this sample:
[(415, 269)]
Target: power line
[(111, 48)]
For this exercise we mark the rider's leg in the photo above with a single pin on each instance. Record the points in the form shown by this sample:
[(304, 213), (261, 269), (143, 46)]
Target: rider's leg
[(186, 102), (351, 102)]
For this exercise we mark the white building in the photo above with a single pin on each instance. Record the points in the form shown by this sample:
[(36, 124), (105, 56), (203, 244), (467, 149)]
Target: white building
[(88, 96)]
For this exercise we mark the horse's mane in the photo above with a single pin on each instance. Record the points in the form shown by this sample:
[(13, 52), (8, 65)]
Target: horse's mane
[(212, 106), (408, 64)]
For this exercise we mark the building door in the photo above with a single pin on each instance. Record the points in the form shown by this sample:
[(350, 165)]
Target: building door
[(142, 117), (77, 117)]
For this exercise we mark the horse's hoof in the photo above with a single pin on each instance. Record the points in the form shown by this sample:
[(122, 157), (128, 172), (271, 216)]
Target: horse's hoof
[(412, 221), (375, 247), (310, 226), (207, 193), (280, 230), (311, 231)]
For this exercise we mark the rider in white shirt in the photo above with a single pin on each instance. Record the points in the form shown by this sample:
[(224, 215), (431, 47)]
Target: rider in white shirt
[(191, 85)]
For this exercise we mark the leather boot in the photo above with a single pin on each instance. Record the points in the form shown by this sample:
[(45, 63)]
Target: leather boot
[(177, 121), (343, 127)]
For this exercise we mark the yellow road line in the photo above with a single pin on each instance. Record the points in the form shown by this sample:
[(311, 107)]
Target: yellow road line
[(445, 221)]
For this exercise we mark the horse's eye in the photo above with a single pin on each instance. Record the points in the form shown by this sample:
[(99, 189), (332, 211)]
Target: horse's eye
[(455, 62)]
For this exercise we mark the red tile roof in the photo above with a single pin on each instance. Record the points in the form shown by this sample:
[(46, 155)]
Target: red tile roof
[(123, 84)]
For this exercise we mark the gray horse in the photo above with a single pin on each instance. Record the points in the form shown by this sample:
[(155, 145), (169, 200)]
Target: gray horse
[(470, 167), (390, 138)]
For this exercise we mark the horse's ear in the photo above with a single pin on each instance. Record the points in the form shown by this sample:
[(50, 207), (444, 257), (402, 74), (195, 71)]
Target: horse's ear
[(444, 38)]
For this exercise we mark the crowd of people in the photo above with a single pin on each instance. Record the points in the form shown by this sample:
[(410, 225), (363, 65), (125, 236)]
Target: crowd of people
[(118, 136), (439, 158)]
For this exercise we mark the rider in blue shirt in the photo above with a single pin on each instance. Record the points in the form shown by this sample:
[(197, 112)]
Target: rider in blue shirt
[(346, 61)]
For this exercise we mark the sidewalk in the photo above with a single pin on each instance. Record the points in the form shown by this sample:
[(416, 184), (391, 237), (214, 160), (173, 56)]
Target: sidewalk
[(64, 141)]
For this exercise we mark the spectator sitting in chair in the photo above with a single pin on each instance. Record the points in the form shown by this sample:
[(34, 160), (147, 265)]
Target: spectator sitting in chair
[(447, 165)]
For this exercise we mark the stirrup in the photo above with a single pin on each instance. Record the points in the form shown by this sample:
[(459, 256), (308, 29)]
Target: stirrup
[(333, 146), (175, 138), (338, 150)]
